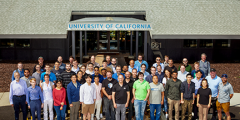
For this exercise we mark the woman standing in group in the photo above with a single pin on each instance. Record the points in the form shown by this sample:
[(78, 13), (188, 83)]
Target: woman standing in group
[(167, 76), (204, 95), (59, 97)]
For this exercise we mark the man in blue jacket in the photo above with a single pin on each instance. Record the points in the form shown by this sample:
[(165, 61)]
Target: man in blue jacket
[(96, 72), (73, 97), (139, 62)]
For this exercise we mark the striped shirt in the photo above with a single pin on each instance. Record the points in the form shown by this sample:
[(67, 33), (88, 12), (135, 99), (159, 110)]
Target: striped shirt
[(66, 78), (224, 92)]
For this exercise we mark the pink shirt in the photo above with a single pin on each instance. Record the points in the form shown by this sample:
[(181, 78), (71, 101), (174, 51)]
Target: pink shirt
[(98, 90)]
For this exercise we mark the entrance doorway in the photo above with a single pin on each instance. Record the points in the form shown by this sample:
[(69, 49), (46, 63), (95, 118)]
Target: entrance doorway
[(108, 41)]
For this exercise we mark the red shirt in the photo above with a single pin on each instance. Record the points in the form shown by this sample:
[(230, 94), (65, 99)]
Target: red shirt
[(59, 96)]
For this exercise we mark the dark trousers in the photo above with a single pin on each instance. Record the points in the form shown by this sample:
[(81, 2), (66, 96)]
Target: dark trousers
[(195, 111), (214, 100), (131, 110), (108, 105), (20, 101), (35, 105)]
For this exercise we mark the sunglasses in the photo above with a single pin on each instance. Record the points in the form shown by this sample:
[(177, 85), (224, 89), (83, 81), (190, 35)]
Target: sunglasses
[(158, 59)]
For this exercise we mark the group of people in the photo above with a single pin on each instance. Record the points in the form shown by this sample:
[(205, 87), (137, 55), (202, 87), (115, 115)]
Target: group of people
[(112, 89)]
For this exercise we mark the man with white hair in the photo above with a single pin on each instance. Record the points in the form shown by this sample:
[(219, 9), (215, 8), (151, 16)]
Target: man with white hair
[(20, 70), (92, 60), (204, 65)]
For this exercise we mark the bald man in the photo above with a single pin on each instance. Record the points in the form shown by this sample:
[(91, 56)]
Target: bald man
[(132, 66)]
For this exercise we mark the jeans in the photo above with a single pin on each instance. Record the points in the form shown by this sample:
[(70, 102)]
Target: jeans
[(121, 109), (154, 107), (130, 112), (165, 104), (60, 113), (20, 101), (108, 104), (48, 105), (139, 108), (74, 110), (35, 105)]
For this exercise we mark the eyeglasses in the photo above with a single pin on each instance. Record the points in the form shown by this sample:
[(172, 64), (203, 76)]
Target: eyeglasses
[(158, 59), (96, 70)]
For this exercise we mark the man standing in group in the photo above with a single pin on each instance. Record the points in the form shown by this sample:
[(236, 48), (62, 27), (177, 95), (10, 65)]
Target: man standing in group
[(158, 62), (107, 96), (52, 76), (225, 94), (174, 94), (83, 69), (196, 68), (20, 70), (124, 69), (134, 75), (26, 77), (66, 76), (182, 73), (75, 67), (159, 73), (96, 73), (120, 98), (108, 59), (132, 66), (40, 62), (62, 66), (104, 66), (37, 75), (187, 66), (213, 82), (204, 65), (56, 70), (140, 61), (71, 60), (149, 77), (92, 60), (156, 98), (129, 81), (197, 80), (170, 66), (17, 96), (113, 65), (143, 70), (118, 70), (166, 58), (187, 96), (88, 98)]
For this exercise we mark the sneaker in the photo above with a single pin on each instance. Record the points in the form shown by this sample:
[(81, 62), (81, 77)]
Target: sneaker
[(166, 116), (65, 115), (192, 114), (101, 116)]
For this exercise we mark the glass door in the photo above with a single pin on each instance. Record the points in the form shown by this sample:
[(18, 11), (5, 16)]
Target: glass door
[(113, 41), (108, 41), (103, 41)]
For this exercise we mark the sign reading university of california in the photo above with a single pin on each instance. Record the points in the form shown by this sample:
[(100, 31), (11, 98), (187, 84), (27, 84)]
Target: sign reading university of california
[(110, 26)]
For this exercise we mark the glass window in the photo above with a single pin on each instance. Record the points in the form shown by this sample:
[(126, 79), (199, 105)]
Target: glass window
[(7, 43), (113, 40), (103, 40), (92, 40), (189, 43), (223, 43), (208, 43), (23, 43)]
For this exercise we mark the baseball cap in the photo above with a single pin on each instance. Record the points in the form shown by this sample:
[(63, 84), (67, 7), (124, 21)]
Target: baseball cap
[(212, 70), (224, 75)]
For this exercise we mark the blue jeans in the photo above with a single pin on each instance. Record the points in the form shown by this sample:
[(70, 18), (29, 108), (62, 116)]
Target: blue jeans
[(20, 101), (108, 104), (139, 108), (60, 113), (165, 104), (154, 107), (35, 105)]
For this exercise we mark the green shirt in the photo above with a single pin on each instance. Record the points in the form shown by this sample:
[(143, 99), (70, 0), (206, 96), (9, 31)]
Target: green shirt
[(188, 68), (141, 89), (173, 89)]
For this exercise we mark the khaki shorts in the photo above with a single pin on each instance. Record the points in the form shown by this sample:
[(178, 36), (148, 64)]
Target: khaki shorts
[(224, 106), (88, 108)]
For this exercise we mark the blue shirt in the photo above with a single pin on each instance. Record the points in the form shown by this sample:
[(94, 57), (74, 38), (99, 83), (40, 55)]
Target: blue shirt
[(101, 78), (160, 77), (193, 73), (62, 66), (213, 84), (138, 64), (34, 94), (197, 84), (161, 64), (109, 64), (18, 89), (145, 74), (115, 76), (130, 69), (52, 77), (224, 92), (20, 72), (73, 92)]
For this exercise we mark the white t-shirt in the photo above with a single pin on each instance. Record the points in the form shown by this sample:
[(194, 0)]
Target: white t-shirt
[(90, 73), (47, 91), (165, 80), (182, 76)]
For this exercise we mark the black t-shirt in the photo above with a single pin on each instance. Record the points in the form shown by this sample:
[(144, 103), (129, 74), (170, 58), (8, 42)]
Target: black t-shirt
[(130, 85), (82, 81), (204, 95), (173, 68), (108, 85), (57, 72), (134, 79), (120, 93), (41, 69)]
